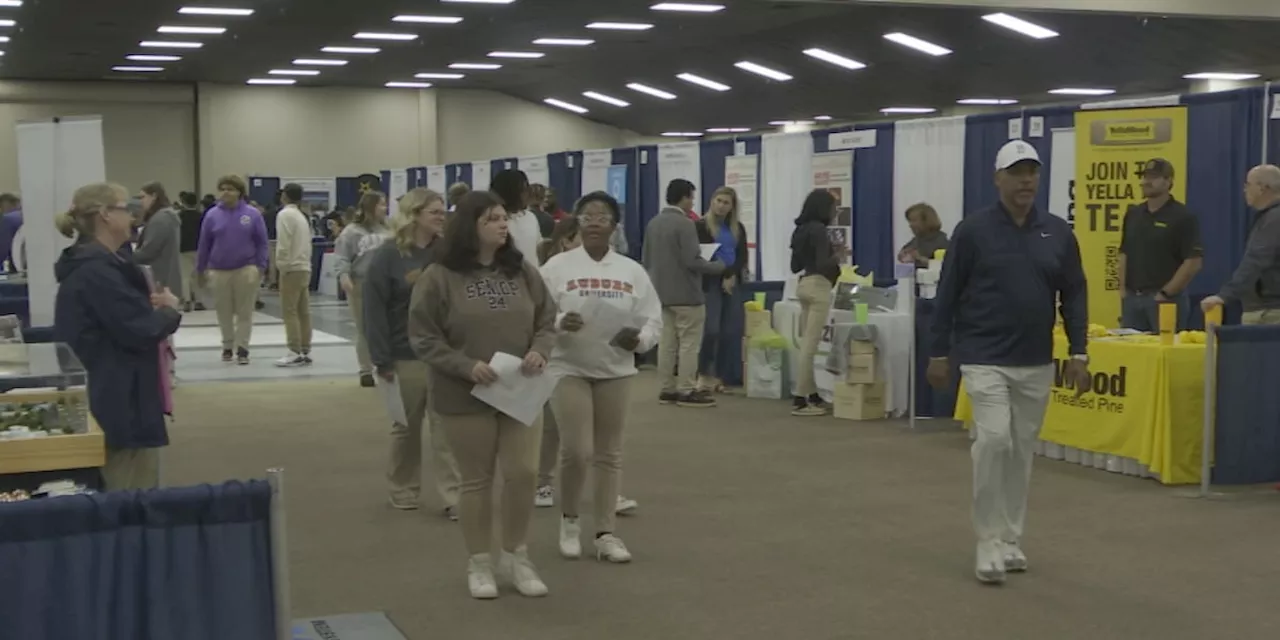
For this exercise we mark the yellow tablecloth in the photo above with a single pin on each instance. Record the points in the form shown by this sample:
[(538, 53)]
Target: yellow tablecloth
[(1147, 403)]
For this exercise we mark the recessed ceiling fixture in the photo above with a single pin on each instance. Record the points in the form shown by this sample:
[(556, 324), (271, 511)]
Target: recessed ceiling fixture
[(480, 1), (657, 93), (758, 69), (205, 31), (703, 82), (987, 101), (164, 44), (1221, 75), (600, 97), (279, 81), (350, 49), (523, 55), (912, 42), (564, 42), (10, 3), (567, 106), (906, 110), (373, 35), (215, 11), (728, 130), (319, 62), (621, 26), (293, 72), (822, 118), (1081, 91), (791, 123), (1011, 23), (409, 85), (681, 134), (439, 76), (475, 66), (128, 69), (834, 58), (415, 19), (8, 23), (4, 39), (689, 7), (139, 57)]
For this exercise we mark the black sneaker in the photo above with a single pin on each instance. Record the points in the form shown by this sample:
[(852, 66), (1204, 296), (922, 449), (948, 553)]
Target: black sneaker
[(242, 357), (186, 307), (200, 306), (366, 380), (259, 305), (228, 355), (696, 400), (306, 359), (802, 407), (816, 400), (668, 397)]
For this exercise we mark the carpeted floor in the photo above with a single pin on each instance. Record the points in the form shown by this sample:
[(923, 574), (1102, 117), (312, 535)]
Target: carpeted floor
[(753, 525)]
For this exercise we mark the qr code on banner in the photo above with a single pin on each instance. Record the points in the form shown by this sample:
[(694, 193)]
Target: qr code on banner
[(1113, 268)]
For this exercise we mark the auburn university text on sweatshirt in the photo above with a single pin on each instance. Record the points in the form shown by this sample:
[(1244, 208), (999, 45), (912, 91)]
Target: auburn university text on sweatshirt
[(615, 280), (459, 318)]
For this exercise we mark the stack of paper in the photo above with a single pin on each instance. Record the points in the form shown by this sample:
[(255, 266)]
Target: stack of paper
[(520, 396)]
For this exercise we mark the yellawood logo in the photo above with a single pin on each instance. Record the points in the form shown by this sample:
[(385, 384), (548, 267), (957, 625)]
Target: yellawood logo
[(1106, 392), (1121, 133)]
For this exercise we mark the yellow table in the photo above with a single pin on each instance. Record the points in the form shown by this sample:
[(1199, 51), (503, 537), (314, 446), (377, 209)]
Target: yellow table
[(1147, 404)]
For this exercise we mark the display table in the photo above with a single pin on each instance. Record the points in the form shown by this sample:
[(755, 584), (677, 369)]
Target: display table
[(55, 453), (1143, 416), (895, 331)]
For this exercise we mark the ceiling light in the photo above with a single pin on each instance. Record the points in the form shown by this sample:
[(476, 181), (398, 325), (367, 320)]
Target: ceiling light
[(987, 101), (681, 134), (1021, 26), (215, 11), (371, 35), (480, 1), (161, 44), (567, 106), (439, 76), (1078, 91), (4, 39), (565, 42), (657, 93), (319, 62), (279, 81), (834, 58), (728, 130), (10, 3), (409, 85), (208, 31), (525, 55), (427, 19), (701, 81), (606, 99), (8, 23), (293, 72), (128, 69), (690, 7), (477, 66), (772, 74), (620, 26), (916, 43), (888, 110), (1220, 75), (138, 57), (822, 118), (350, 49), (789, 123)]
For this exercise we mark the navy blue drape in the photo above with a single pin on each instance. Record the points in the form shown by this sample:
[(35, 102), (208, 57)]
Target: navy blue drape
[(1273, 131), (501, 164), (565, 179), (385, 176), (348, 192), (1247, 437), (191, 563), (460, 172), (873, 204), (263, 190), (1054, 118), (711, 159), (983, 136), (417, 177), (647, 197)]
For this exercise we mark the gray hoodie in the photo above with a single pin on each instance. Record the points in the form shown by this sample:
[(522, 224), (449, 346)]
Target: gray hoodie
[(1256, 282), (673, 257), (388, 286), (159, 248), (355, 246)]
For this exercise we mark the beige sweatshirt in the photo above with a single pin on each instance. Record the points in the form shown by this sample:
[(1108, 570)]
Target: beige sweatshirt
[(293, 241), (459, 318)]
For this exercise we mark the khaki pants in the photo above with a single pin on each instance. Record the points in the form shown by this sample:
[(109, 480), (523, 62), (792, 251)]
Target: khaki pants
[(188, 265), (131, 469), (550, 449), (591, 415), (678, 347), (235, 293), (480, 442), (814, 293), (355, 304), (295, 308), (404, 470), (1265, 316)]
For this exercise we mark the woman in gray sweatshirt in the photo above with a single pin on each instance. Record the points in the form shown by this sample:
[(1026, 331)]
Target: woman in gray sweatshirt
[(353, 248), (159, 246), (388, 283)]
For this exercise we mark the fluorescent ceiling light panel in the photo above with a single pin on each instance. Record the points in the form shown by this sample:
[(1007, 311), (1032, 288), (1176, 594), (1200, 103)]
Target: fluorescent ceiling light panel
[(293, 72), (913, 42), (567, 106), (703, 82), (10, 3), (475, 66), (279, 81), (140, 57), (788, 123), (523, 55), (682, 134), (439, 76), (987, 101), (600, 97), (164, 44), (206, 31), (728, 130), (1011, 23), (758, 69), (480, 1), (564, 42), (620, 26), (215, 11), (822, 118), (688, 7), (319, 62), (350, 49), (415, 19), (908, 110), (1080, 91), (8, 23), (1221, 75), (657, 93), (4, 39), (129, 69), (409, 85), (373, 35), (834, 58)]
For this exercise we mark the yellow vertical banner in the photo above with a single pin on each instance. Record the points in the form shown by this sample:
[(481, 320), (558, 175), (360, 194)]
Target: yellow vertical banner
[(1111, 148)]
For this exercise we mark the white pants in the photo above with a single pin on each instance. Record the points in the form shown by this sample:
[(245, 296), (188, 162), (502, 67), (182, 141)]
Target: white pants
[(1008, 410)]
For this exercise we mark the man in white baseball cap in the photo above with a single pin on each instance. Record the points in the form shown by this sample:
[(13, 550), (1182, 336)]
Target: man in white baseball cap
[(1010, 263)]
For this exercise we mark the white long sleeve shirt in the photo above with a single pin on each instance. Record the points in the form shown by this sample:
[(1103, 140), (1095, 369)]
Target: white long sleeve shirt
[(526, 233), (616, 280), (293, 240)]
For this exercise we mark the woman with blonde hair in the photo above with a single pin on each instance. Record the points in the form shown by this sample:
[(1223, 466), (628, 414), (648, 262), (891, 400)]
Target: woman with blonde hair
[(367, 231), (927, 235), (105, 310), (393, 270), (721, 226)]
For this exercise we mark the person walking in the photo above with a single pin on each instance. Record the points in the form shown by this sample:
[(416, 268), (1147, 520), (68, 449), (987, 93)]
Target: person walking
[(189, 216), (106, 312), (367, 231), (720, 226), (1002, 278), (481, 297), (1256, 281), (512, 187), (1160, 252), (232, 256), (817, 263), (293, 261), (394, 268), (673, 258), (159, 245)]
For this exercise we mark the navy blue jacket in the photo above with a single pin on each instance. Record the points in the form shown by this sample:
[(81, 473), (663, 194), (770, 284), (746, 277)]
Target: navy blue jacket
[(1000, 289), (103, 311)]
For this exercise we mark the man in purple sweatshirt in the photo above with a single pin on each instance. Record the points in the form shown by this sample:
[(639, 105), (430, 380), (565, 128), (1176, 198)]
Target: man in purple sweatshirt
[(232, 256)]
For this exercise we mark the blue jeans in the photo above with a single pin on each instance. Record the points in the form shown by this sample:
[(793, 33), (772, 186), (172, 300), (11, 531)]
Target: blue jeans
[(719, 306), (1141, 311)]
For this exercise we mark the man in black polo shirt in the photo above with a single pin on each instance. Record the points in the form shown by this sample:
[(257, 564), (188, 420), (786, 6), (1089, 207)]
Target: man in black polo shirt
[(1007, 267), (1160, 252)]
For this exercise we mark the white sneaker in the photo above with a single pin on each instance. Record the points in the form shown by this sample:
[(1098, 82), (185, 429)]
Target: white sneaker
[(1015, 561), (545, 497), (480, 577), (570, 538), (609, 547), (626, 506), (292, 360), (989, 567), (520, 572)]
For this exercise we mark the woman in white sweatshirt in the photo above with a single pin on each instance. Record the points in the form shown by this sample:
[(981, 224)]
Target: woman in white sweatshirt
[(608, 312)]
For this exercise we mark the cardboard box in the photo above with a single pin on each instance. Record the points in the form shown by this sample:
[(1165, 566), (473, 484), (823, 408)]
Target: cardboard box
[(859, 401), (862, 369), (862, 347), (757, 322)]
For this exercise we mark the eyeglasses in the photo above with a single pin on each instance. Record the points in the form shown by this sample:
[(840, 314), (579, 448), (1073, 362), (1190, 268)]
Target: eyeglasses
[(595, 217)]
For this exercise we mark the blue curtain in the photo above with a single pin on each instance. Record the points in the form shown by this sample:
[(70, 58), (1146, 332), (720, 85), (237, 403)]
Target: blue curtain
[(1273, 131), (460, 172), (417, 177), (566, 179), (712, 155), (647, 197), (348, 192), (263, 190), (873, 204), (501, 164), (385, 177), (1054, 118), (1247, 437), (191, 563), (983, 137)]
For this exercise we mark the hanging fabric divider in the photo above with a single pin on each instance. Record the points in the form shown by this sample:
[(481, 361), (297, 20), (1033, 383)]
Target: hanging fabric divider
[(642, 201), (564, 175), (535, 168), (786, 180), (481, 174), (929, 166)]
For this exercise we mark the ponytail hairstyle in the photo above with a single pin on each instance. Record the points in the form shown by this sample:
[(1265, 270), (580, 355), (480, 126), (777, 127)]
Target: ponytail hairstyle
[(81, 220), (156, 190)]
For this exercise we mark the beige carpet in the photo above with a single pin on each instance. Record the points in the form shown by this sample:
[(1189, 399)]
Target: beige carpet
[(753, 525)]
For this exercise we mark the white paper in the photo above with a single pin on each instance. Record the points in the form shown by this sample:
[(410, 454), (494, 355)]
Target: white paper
[(1015, 128), (708, 250), (601, 321), (1036, 127), (515, 394), (392, 400)]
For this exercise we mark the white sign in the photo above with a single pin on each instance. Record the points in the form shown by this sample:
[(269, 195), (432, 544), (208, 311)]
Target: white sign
[(480, 175), (680, 161), (1035, 127), (1275, 107), (739, 148), (1062, 174), (437, 179), (398, 187), (741, 173), (595, 170), (1015, 128), (863, 139), (834, 172), (535, 167)]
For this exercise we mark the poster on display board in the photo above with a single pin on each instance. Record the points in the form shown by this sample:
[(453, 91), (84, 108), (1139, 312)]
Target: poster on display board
[(396, 190), (437, 179), (1111, 148), (535, 168), (320, 194), (617, 182), (1062, 175), (834, 172), (595, 171), (681, 160), (741, 173), (480, 175)]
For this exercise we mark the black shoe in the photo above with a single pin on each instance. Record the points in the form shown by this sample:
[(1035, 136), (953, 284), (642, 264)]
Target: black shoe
[(186, 307), (366, 380), (805, 407), (306, 359), (242, 357), (816, 400), (668, 397), (227, 355), (200, 306), (259, 305), (696, 400)]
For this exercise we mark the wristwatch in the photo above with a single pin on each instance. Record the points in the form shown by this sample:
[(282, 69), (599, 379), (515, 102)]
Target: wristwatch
[(1082, 357)]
